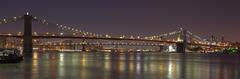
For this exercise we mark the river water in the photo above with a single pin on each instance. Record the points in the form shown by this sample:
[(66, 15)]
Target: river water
[(96, 65)]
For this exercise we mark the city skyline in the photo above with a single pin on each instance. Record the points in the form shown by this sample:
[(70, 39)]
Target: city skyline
[(135, 18)]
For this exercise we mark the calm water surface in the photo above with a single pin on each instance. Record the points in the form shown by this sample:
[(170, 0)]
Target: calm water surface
[(122, 66)]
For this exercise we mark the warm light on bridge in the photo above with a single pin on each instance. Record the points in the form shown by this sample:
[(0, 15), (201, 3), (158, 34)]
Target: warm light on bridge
[(76, 33)]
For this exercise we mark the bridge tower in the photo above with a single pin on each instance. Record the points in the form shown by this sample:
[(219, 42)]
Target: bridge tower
[(27, 37), (182, 43)]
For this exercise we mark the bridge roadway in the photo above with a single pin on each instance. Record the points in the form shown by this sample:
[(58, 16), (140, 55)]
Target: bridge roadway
[(104, 38), (126, 44)]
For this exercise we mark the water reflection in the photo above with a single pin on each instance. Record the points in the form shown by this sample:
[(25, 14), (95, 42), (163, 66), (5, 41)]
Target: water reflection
[(122, 66)]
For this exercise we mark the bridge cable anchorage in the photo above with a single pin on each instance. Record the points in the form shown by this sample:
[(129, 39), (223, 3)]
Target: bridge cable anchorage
[(73, 30), (10, 20)]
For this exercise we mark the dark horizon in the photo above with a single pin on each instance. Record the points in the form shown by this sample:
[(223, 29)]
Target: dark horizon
[(204, 18)]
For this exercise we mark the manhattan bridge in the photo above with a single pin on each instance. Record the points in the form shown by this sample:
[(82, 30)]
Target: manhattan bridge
[(71, 38)]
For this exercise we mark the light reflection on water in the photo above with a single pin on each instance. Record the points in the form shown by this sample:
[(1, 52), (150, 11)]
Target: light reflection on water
[(122, 66)]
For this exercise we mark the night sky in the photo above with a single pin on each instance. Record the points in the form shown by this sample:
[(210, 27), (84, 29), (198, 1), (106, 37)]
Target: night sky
[(132, 17)]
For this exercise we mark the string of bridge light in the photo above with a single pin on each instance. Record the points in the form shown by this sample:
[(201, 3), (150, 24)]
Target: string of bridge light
[(189, 36), (195, 36), (10, 20), (84, 33), (115, 43), (199, 38), (75, 30), (169, 34), (69, 28), (163, 35)]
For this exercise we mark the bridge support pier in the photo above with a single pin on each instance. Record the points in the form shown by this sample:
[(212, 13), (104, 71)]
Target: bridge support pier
[(27, 37), (74, 47), (161, 48), (84, 45), (181, 47)]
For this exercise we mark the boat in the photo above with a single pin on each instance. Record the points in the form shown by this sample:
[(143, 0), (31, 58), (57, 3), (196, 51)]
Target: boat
[(10, 55)]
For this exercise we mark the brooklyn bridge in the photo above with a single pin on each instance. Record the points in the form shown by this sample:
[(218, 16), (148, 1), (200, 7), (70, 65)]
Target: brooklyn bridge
[(72, 38)]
